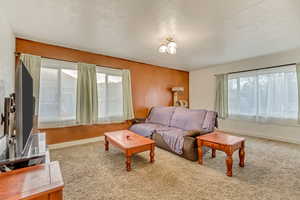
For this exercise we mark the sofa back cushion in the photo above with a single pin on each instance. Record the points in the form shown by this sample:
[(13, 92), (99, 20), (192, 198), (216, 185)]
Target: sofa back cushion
[(188, 119), (161, 115), (210, 121)]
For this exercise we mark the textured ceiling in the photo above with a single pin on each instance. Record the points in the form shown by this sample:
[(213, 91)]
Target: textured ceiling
[(207, 31)]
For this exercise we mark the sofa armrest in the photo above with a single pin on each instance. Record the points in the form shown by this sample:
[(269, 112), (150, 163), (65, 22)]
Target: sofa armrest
[(195, 133), (138, 120)]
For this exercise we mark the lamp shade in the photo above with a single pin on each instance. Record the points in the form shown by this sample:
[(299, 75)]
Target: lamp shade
[(172, 44), (177, 89), (163, 49), (171, 50)]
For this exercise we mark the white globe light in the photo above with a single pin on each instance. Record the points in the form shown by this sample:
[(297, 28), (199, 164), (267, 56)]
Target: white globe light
[(172, 44), (163, 49), (172, 50)]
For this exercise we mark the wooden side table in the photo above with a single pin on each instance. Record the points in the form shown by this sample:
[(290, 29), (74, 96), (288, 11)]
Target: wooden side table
[(222, 142)]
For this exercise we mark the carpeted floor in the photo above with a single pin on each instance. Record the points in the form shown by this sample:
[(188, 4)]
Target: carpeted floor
[(272, 171)]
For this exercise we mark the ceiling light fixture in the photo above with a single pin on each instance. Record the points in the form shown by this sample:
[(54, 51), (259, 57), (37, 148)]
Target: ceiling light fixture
[(169, 46)]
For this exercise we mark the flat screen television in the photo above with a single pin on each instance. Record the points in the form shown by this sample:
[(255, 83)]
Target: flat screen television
[(24, 108)]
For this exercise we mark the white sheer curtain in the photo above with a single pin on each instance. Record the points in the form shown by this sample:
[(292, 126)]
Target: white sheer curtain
[(269, 95), (298, 78), (58, 85), (110, 95)]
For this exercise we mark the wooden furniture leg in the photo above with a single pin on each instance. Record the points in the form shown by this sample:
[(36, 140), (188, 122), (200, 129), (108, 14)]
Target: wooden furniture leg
[(128, 163), (56, 195), (152, 153), (106, 144), (213, 153), (200, 152), (229, 162), (242, 155)]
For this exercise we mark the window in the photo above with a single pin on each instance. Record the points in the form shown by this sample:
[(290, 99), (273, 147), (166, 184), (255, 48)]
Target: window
[(110, 94), (57, 103), (263, 95), (58, 87)]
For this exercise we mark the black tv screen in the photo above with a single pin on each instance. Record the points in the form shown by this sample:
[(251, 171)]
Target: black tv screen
[(24, 107)]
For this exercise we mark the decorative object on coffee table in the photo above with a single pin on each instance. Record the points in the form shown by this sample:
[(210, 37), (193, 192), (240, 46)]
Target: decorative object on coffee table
[(130, 143), (222, 142)]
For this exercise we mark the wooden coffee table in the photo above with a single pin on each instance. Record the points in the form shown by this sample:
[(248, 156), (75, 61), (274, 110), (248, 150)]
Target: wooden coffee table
[(130, 143), (222, 142)]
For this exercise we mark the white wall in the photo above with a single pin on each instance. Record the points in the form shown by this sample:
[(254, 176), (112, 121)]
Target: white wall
[(7, 61), (7, 58), (202, 95)]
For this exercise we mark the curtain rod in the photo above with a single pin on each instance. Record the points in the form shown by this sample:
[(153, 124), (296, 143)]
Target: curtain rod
[(250, 70), (18, 54)]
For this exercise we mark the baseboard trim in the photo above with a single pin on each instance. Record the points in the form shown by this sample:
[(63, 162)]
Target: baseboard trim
[(236, 132), (76, 142), (261, 135)]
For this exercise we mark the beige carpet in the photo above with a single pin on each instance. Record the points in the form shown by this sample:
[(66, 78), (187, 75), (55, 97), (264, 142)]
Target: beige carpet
[(272, 171)]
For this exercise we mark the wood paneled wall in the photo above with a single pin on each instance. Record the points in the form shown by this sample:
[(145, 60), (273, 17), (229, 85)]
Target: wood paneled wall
[(151, 85)]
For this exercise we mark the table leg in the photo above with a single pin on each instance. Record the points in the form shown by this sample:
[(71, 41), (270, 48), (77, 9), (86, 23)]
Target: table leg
[(200, 152), (213, 153), (152, 153), (242, 155), (106, 144), (229, 162), (128, 163)]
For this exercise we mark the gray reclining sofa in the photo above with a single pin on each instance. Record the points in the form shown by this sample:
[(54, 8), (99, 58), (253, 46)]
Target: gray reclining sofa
[(175, 128)]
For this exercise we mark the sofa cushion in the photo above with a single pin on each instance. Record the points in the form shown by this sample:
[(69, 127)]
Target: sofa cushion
[(210, 121), (145, 129), (161, 115), (173, 137), (188, 119), (190, 150)]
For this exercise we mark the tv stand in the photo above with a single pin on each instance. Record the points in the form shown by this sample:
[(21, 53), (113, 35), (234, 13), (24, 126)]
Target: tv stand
[(34, 154), (4, 168), (40, 182), (20, 180)]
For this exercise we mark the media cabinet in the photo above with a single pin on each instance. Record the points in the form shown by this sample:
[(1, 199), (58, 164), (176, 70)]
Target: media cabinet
[(39, 182)]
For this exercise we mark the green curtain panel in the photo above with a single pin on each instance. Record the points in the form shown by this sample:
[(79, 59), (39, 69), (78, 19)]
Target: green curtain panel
[(87, 96), (298, 78), (221, 101), (33, 65), (127, 95)]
